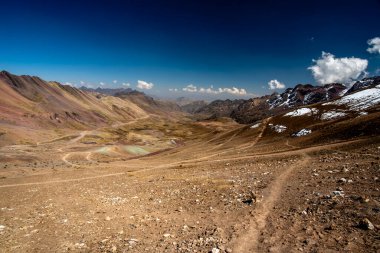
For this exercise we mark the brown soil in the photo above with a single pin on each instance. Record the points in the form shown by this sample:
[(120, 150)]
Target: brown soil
[(220, 187)]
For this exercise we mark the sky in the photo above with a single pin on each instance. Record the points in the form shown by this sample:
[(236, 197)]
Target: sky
[(198, 49)]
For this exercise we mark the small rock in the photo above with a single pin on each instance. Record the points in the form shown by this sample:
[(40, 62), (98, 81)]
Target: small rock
[(108, 218), (167, 235), (215, 250), (132, 241), (366, 224), (338, 193), (342, 180)]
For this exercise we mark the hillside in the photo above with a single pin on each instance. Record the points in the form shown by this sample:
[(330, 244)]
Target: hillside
[(28, 102)]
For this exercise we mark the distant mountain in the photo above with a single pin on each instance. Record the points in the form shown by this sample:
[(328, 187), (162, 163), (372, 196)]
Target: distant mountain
[(193, 106), (368, 82), (106, 91), (148, 103), (28, 102), (189, 105), (255, 109), (306, 94), (303, 94), (220, 108)]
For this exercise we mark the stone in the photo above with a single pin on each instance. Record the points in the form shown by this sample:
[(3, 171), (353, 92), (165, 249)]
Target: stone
[(215, 250), (342, 180), (366, 224)]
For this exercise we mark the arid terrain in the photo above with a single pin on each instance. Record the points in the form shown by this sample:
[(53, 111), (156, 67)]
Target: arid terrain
[(170, 183), (232, 191)]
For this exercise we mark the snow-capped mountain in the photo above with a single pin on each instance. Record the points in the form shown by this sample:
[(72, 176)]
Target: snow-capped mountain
[(255, 109), (306, 94), (368, 82)]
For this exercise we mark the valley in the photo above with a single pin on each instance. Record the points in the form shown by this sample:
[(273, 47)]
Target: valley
[(169, 181), (213, 192)]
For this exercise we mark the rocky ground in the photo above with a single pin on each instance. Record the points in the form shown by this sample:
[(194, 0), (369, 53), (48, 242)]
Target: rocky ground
[(207, 195)]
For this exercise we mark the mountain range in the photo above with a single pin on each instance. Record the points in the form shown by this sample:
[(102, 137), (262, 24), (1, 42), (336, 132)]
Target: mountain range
[(29, 101)]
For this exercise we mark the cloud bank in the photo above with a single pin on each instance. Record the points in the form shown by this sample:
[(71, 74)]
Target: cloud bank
[(190, 88), (274, 84), (374, 45), (144, 85), (328, 69), (234, 91)]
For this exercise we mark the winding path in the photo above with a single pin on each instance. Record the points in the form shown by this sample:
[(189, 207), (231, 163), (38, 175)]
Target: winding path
[(248, 240)]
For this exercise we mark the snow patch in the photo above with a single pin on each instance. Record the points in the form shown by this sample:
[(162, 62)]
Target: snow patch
[(302, 132), (332, 115), (302, 112), (360, 100), (255, 125)]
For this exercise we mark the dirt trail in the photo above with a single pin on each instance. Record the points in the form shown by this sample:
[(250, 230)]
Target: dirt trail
[(257, 139), (194, 161), (81, 136), (247, 241), (87, 132), (64, 159), (64, 180), (290, 145)]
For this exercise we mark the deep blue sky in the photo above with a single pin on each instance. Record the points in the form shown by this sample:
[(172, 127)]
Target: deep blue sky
[(176, 43)]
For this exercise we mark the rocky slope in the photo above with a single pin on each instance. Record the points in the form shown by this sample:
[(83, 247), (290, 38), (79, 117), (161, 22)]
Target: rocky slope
[(368, 82), (255, 109), (220, 108), (303, 94), (149, 104), (31, 100), (190, 106), (106, 91), (29, 104)]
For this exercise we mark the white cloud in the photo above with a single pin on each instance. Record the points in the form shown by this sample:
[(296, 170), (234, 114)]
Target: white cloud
[(102, 84), (374, 45), (328, 69), (82, 83), (144, 85), (126, 84), (68, 83), (190, 88), (208, 90), (233, 90), (211, 90), (274, 84), (173, 90), (114, 81)]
